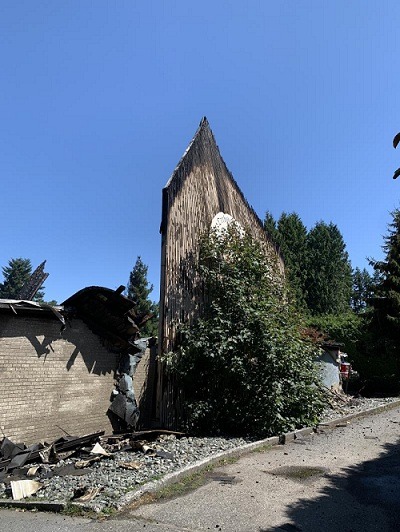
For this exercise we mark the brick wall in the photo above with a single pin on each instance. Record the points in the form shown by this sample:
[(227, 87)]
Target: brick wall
[(51, 381)]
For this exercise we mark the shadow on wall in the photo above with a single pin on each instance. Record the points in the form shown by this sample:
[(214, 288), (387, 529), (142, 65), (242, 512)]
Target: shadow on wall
[(183, 299), (48, 341), (364, 498), (147, 392)]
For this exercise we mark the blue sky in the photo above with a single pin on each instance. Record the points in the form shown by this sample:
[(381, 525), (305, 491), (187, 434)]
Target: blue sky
[(98, 101)]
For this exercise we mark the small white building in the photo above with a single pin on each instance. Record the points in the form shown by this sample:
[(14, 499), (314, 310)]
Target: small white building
[(329, 362)]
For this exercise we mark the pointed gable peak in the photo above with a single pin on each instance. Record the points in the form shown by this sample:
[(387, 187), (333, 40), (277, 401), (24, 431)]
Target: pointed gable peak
[(204, 122), (204, 128), (201, 137)]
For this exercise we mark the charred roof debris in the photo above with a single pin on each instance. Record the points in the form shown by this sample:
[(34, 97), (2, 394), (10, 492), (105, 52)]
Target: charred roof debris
[(26, 470)]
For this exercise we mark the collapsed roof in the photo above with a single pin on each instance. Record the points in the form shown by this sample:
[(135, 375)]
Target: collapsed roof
[(107, 313)]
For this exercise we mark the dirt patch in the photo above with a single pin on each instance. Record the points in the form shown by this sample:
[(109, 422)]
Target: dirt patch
[(222, 478), (299, 473)]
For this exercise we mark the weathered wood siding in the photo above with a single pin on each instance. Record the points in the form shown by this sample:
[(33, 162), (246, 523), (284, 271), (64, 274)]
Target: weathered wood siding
[(200, 187)]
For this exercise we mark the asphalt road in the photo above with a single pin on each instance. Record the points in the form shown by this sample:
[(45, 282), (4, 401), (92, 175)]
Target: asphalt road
[(341, 480)]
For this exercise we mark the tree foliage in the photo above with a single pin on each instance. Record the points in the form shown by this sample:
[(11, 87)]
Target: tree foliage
[(329, 280), (16, 274), (292, 240), (316, 263), (289, 234), (243, 366), (347, 328), (271, 228), (362, 290), (138, 290), (387, 292)]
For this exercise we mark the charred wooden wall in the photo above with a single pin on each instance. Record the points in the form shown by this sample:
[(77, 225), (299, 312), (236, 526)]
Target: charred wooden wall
[(200, 187)]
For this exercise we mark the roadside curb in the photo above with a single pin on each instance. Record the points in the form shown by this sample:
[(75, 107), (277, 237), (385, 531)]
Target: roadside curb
[(152, 487), (42, 506)]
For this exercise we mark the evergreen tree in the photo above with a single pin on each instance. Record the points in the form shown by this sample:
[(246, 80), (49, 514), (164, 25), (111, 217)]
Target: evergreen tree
[(16, 274), (317, 266), (329, 281), (270, 228), (387, 296), (139, 290), (292, 240), (362, 290)]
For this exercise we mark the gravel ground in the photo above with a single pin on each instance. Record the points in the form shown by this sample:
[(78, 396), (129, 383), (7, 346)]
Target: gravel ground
[(339, 408), (115, 480), (165, 455)]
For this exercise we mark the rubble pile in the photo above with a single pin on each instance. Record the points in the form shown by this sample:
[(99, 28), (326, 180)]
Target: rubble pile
[(98, 473), (340, 404)]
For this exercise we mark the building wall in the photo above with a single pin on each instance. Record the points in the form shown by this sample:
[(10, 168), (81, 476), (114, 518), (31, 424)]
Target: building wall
[(200, 187), (52, 381), (329, 366)]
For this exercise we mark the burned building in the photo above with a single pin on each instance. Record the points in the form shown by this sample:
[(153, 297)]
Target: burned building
[(200, 188), (69, 369), (200, 193), (58, 365)]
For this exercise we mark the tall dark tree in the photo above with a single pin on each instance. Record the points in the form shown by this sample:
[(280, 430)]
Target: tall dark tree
[(387, 295), (329, 280), (292, 240), (16, 274), (362, 290), (270, 227), (139, 290)]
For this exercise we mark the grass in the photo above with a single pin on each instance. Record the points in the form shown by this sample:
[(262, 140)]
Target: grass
[(298, 472), (187, 484), (263, 448), (74, 510)]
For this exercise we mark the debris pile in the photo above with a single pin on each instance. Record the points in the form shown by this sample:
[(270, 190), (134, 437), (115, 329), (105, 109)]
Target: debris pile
[(339, 404), (20, 477), (98, 470)]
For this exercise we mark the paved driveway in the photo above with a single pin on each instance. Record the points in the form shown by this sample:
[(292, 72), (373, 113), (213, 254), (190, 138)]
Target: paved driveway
[(342, 480)]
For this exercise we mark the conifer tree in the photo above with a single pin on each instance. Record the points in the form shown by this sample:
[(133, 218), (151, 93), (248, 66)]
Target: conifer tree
[(139, 290), (270, 227), (329, 281), (362, 290), (387, 300), (292, 240)]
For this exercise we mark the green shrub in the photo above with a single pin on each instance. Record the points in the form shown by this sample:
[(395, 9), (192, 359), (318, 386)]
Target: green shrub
[(243, 367), (347, 328)]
